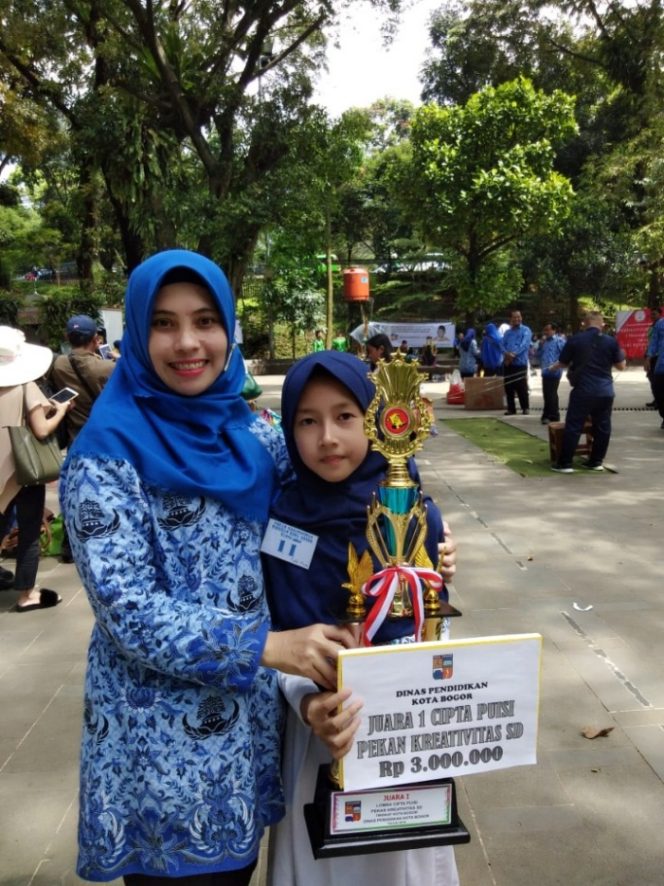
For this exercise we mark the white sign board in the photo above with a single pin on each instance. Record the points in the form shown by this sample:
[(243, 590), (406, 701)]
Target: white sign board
[(112, 320), (416, 334), (432, 710)]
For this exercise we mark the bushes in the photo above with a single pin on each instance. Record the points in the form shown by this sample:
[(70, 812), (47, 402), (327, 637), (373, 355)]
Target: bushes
[(60, 304), (10, 305)]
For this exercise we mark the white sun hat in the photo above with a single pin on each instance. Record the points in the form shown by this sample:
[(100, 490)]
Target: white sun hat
[(19, 361)]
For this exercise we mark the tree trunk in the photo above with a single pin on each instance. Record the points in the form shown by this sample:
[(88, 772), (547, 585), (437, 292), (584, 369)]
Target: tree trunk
[(654, 288), (330, 285), (573, 308), (88, 250), (132, 242)]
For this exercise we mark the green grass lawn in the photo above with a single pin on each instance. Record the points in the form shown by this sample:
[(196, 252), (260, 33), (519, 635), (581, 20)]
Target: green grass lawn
[(522, 452)]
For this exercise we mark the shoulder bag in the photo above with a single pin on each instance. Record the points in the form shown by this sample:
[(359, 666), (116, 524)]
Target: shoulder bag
[(36, 461), (86, 385)]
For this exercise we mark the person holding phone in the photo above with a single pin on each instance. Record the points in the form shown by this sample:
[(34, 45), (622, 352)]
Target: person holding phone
[(63, 396), (21, 402), (82, 369), (86, 372)]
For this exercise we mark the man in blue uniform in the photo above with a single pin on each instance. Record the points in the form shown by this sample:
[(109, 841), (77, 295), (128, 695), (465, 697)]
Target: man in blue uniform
[(549, 349), (516, 343), (592, 355), (655, 354)]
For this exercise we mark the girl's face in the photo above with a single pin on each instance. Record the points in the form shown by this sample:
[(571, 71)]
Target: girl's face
[(329, 430), (188, 343)]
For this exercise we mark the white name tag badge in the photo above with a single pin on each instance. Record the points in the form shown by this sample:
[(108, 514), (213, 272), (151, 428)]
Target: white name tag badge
[(289, 543)]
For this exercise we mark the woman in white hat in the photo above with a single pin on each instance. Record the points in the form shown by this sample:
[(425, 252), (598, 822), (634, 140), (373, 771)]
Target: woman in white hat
[(20, 365)]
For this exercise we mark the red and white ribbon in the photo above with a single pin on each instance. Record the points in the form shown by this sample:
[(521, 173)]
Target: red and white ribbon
[(383, 586)]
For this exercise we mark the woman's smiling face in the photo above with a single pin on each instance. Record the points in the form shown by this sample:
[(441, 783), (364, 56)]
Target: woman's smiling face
[(188, 343)]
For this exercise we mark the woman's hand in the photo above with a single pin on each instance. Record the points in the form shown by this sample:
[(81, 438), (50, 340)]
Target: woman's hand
[(447, 553), (336, 729), (308, 652)]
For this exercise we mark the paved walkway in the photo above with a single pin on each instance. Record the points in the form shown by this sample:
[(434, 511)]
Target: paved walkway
[(535, 554)]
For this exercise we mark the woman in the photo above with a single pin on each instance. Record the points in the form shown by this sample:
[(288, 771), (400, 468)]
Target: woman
[(379, 347), (491, 351), (468, 354), (21, 399), (428, 356), (166, 493)]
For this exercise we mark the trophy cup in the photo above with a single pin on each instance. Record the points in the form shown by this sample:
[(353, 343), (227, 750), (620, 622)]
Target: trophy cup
[(397, 422)]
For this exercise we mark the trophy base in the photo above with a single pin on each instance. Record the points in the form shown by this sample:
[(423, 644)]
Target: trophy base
[(383, 820)]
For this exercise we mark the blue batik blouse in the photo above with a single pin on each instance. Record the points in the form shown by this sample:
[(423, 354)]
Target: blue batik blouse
[(181, 740)]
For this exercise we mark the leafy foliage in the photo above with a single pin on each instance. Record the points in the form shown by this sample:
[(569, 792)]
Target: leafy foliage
[(59, 305), (481, 176)]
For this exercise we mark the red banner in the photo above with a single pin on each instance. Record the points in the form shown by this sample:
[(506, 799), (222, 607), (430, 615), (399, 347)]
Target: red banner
[(632, 331)]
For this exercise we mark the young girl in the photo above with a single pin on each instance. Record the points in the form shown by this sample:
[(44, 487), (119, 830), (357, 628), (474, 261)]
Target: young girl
[(324, 399), (166, 494)]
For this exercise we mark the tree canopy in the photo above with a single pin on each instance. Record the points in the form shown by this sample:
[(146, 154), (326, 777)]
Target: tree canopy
[(534, 168)]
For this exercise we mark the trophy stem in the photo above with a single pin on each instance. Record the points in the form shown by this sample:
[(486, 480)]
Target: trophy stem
[(431, 629)]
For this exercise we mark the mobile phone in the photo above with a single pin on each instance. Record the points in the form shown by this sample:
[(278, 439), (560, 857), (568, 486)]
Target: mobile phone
[(64, 395), (105, 352)]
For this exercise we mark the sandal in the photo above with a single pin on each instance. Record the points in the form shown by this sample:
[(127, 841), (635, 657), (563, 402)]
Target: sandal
[(47, 599)]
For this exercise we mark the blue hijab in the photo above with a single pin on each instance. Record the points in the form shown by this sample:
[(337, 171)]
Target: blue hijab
[(491, 351), (491, 332), (335, 512), (200, 445), (466, 340)]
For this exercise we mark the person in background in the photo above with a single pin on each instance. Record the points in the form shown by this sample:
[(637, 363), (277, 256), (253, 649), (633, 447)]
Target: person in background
[(491, 351), (318, 344), (379, 347), (340, 343), (428, 357), (594, 355), (82, 369), (655, 354), (533, 355), (549, 348), (650, 362), (324, 400), (516, 343), (468, 354), (166, 493), (21, 402)]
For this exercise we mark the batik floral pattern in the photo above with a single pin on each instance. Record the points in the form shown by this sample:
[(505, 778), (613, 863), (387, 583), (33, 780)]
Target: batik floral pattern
[(180, 753)]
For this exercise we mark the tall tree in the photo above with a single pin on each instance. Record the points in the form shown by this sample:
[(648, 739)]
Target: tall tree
[(481, 177), (609, 55), (226, 84)]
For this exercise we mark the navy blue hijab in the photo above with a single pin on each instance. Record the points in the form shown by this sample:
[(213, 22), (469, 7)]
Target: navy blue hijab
[(200, 445), (335, 512)]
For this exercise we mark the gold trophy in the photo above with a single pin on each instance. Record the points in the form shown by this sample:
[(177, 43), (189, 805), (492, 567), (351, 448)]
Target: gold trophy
[(397, 422)]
